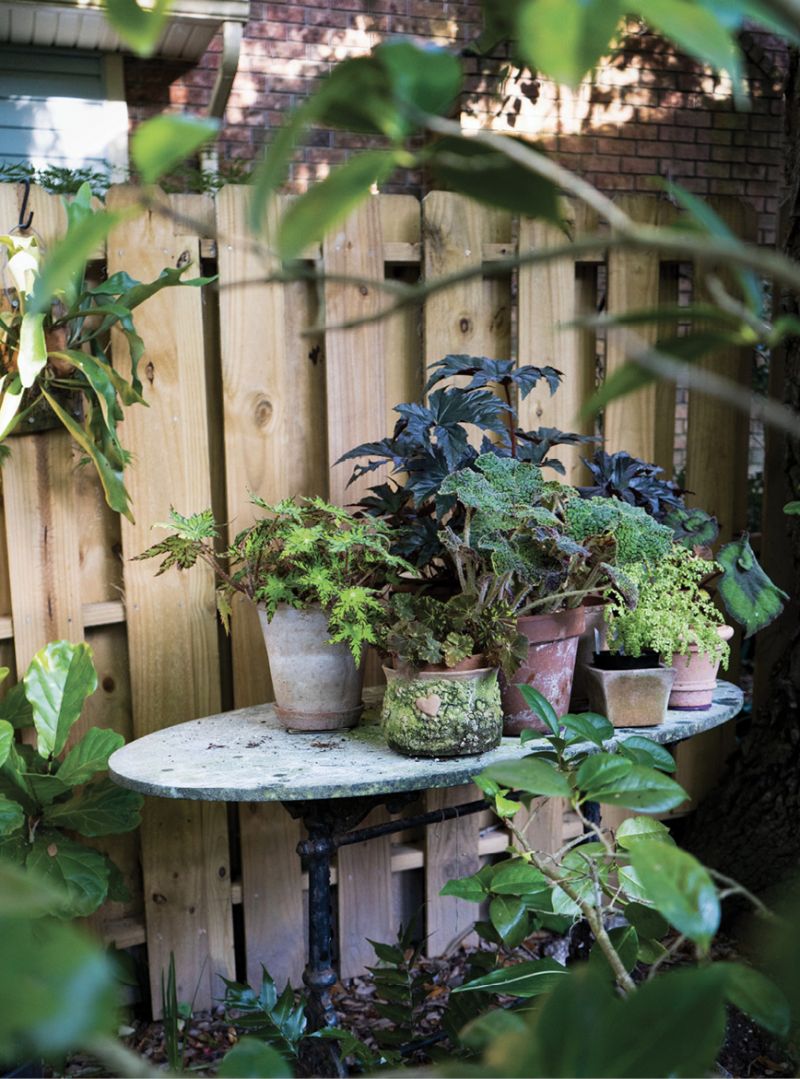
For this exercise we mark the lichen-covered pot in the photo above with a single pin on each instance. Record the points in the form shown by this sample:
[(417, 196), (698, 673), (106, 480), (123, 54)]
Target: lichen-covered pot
[(317, 685), (442, 713)]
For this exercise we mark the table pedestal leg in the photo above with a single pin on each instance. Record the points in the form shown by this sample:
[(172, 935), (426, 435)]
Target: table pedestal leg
[(319, 974)]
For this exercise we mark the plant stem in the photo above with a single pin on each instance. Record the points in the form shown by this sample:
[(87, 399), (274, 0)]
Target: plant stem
[(593, 916), (510, 419)]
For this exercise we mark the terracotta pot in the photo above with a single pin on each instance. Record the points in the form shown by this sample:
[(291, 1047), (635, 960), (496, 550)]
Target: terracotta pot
[(449, 713), (552, 648), (696, 677), (317, 685), (587, 645), (632, 698)]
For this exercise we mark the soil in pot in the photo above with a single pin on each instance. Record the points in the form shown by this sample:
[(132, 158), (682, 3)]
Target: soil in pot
[(434, 713), (616, 661), (549, 668), (630, 697), (317, 685), (696, 677)]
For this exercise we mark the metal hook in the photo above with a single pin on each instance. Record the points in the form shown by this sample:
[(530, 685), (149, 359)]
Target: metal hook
[(24, 224)]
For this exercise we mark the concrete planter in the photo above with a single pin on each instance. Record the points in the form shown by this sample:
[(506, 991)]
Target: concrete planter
[(631, 698), (317, 685), (444, 713), (552, 648), (696, 677)]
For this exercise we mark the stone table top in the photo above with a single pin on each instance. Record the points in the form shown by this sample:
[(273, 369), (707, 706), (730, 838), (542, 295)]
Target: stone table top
[(245, 756)]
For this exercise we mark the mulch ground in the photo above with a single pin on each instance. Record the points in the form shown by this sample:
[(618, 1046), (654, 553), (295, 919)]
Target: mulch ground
[(207, 1036)]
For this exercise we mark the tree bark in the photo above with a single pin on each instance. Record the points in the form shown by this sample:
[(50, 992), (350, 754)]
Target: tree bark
[(749, 827)]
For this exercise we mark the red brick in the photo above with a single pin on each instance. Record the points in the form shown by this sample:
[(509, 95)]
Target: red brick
[(695, 118), (728, 153), (715, 169)]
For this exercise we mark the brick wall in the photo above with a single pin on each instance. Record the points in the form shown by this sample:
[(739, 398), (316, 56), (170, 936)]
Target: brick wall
[(648, 113)]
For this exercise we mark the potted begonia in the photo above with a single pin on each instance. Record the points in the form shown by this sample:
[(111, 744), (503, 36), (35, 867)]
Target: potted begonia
[(316, 574)]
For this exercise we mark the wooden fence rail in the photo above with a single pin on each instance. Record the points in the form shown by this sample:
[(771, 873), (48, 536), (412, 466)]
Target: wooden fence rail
[(242, 401)]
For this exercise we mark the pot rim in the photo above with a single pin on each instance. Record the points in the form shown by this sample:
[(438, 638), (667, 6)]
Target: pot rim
[(555, 626), (450, 674)]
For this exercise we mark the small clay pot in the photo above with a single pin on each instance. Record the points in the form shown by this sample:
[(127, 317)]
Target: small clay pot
[(447, 713), (317, 685), (696, 677), (549, 668), (630, 698)]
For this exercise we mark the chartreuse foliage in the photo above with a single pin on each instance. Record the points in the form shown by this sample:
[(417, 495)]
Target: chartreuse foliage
[(48, 792), (673, 611), (55, 339), (298, 553)]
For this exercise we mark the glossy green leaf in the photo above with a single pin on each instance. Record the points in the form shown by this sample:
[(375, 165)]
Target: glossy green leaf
[(588, 726), (487, 1028), (89, 756), (757, 996), (332, 200), (159, 144), (748, 594), (642, 750), (11, 390), (515, 876), (140, 28), (60, 678), (529, 979), (530, 774), (110, 475), (488, 175), (640, 788), (252, 1058), (625, 940), (12, 816), (66, 258), (79, 872), (45, 788), (509, 915), (630, 884), (32, 354), (680, 888), (6, 740), (540, 706), (565, 40), (650, 950), (103, 808), (635, 829), (15, 708), (646, 920), (601, 770), (792, 509), (473, 888)]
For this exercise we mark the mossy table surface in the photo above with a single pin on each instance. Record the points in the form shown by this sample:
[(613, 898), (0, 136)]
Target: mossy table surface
[(245, 756)]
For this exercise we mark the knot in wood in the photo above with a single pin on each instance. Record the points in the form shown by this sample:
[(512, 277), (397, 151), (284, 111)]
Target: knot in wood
[(263, 413), (159, 898), (363, 290), (150, 373), (464, 325)]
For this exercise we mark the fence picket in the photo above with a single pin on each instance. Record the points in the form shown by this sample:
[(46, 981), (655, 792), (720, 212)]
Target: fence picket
[(174, 670)]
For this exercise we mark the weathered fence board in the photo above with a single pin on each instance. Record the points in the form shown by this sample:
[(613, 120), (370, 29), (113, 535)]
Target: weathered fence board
[(270, 414), (174, 659)]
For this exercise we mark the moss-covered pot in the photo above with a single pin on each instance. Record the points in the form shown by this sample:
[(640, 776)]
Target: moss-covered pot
[(442, 713)]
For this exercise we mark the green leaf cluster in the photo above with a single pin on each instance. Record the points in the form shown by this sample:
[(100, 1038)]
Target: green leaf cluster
[(49, 791), (420, 630), (299, 553), (274, 1018), (639, 537), (54, 342), (673, 611)]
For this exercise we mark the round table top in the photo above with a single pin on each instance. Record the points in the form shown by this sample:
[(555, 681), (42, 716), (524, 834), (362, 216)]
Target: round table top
[(245, 756)]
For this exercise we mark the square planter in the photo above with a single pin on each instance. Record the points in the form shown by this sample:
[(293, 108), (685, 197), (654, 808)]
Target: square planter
[(636, 698)]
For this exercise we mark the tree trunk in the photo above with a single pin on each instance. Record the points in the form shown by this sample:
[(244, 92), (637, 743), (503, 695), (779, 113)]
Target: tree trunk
[(749, 827)]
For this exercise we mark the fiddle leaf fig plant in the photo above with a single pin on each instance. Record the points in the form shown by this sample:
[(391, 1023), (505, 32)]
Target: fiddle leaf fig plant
[(49, 792), (54, 340)]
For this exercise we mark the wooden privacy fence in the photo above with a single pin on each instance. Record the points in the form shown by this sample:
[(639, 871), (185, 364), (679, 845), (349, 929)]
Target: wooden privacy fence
[(241, 401)]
